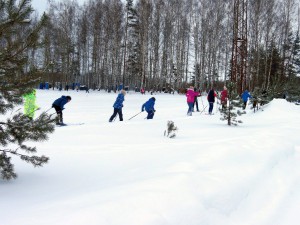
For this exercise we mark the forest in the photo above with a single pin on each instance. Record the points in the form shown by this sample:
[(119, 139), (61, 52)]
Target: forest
[(168, 44)]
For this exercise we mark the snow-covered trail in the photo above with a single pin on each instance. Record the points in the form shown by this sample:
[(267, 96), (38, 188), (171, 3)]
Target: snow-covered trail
[(128, 173)]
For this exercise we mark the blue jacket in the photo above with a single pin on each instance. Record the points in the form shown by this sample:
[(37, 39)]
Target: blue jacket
[(60, 102), (119, 101), (246, 95), (149, 105)]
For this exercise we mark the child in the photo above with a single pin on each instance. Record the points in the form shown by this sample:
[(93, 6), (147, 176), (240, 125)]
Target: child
[(224, 97), (149, 107), (245, 97), (29, 104), (191, 94), (58, 105), (118, 105), (211, 100), (196, 101)]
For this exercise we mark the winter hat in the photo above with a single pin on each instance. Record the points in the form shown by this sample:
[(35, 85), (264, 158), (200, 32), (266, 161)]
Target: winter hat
[(69, 98), (153, 98)]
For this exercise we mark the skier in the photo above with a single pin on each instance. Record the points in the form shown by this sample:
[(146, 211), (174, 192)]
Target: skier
[(211, 100), (245, 97), (29, 104), (224, 97), (196, 101), (58, 105), (149, 107), (87, 89), (118, 105), (191, 94)]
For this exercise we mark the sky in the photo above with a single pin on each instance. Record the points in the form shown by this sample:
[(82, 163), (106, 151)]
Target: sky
[(41, 5), (129, 173)]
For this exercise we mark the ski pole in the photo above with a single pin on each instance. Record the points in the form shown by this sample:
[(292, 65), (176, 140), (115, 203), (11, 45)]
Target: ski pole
[(203, 109), (135, 115), (48, 109)]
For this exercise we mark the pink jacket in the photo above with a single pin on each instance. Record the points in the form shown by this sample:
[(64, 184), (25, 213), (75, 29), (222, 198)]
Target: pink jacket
[(191, 94)]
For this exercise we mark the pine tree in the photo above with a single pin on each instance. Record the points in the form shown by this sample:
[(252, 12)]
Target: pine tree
[(232, 110), (17, 38), (292, 86)]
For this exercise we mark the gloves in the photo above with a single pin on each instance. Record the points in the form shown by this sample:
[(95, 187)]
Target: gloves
[(142, 110)]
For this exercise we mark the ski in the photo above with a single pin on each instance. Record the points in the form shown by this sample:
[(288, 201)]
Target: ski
[(69, 124)]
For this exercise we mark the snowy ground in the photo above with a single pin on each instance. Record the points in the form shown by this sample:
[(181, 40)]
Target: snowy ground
[(128, 173)]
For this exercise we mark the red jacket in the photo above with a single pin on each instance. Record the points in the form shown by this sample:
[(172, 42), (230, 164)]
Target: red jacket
[(224, 95)]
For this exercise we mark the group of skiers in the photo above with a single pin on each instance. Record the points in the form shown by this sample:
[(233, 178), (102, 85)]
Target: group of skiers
[(118, 105), (192, 94), (192, 101)]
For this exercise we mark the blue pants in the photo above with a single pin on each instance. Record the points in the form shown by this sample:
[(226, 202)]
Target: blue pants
[(211, 106), (150, 115), (191, 107)]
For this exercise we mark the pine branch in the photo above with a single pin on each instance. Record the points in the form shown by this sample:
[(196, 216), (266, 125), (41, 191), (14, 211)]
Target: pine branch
[(17, 39)]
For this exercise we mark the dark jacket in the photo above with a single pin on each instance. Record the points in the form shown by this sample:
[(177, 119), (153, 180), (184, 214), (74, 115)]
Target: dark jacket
[(149, 105), (119, 101), (211, 95), (60, 102)]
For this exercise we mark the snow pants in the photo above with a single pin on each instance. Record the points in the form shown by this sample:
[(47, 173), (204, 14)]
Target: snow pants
[(150, 115), (59, 118), (116, 111)]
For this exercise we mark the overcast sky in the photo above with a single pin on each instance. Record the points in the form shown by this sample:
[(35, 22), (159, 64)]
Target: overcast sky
[(41, 5)]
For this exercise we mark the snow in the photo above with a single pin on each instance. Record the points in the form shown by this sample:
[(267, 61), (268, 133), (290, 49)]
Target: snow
[(128, 173)]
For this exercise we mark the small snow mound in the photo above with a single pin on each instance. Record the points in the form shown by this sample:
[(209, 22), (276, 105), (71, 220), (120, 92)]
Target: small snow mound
[(280, 105)]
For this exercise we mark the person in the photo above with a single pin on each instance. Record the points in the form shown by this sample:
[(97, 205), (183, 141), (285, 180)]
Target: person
[(191, 94), (245, 97), (211, 100), (58, 105), (196, 101), (29, 104), (224, 98), (120, 87), (149, 107), (118, 105), (142, 91)]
